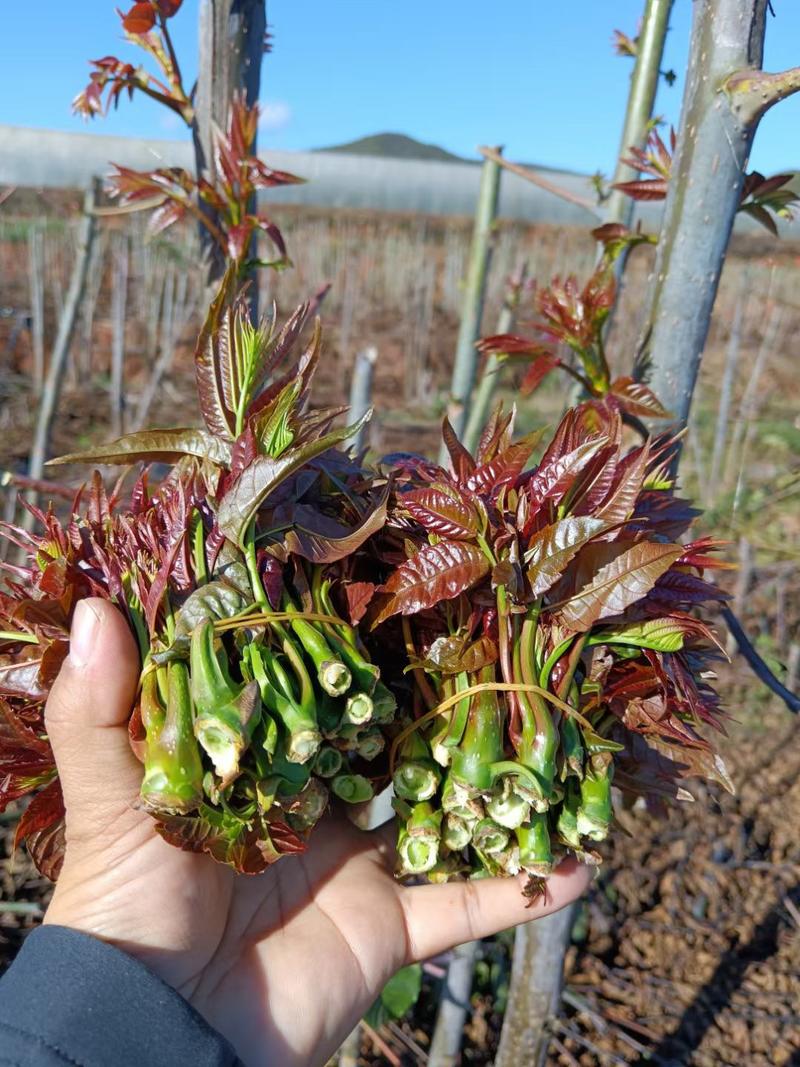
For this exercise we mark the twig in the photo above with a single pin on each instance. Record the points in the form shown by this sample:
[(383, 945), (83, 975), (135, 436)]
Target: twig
[(759, 667), (576, 1035), (381, 1045), (38, 485), (791, 907), (20, 907), (565, 1052), (408, 1040), (537, 179), (602, 1017)]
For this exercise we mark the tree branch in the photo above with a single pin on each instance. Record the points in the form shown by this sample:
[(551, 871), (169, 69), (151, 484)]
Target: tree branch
[(753, 92), (536, 179), (759, 667)]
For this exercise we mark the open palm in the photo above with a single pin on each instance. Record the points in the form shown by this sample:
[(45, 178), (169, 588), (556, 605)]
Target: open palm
[(284, 963)]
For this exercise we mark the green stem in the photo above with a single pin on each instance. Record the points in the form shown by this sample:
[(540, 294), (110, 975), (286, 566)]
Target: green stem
[(251, 560), (173, 770), (567, 825), (199, 549), (539, 740), (299, 720), (507, 807), (352, 788), (482, 743), (328, 762), (11, 635), (594, 813), (489, 837), (418, 839), (456, 832), (227, 713), (358, 709), (535, 853), (333, 675)]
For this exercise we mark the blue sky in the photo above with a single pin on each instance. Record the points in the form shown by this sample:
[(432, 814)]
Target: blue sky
[(539, 77)]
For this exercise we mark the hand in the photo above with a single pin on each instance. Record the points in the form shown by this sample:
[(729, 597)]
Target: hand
[(284, 963)]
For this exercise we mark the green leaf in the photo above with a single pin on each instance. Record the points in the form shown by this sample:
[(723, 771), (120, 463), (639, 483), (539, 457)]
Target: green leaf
[(272, 425), (619, 575), (165, 446), (212, 360), (662, 635), (402, 991), (553, 547), (437, 572), (240, 504)]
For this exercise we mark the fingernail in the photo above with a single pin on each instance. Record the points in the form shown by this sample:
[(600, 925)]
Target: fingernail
[(85, 624)]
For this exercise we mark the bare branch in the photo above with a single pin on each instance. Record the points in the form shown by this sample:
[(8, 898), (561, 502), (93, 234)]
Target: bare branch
[(759, 667), (537, 179)]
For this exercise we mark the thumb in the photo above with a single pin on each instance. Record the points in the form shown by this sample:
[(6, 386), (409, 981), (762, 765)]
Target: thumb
[(87, 720)]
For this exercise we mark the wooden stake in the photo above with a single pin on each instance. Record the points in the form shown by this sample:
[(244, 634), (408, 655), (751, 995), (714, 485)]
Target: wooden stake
[(466, 358), (87, 231)]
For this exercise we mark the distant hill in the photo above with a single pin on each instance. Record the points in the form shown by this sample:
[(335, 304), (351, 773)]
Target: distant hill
[(394, 146)]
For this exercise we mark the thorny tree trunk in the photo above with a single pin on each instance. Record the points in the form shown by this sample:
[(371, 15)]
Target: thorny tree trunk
[(232, 34), (725, 96), (537, 975), (641, 99)]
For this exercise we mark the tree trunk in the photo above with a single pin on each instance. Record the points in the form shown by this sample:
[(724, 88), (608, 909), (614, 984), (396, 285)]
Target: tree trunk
[(453, 1007), (466, 359), (232, 36), (537, 975), (641, 99), (717, 125)]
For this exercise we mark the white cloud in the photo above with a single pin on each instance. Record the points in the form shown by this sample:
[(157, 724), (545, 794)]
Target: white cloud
[(275, 114)]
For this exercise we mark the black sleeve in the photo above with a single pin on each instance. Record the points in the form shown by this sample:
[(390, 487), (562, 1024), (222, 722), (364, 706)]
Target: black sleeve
[(71, 999)]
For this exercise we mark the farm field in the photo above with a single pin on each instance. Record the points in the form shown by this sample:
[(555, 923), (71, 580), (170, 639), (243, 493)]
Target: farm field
[(688, 948)]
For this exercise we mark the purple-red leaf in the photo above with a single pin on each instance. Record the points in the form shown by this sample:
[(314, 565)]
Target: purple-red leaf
[(437, 572), (635, 398), (321, 539), (552, 548), (614, 577), (442, 512), (461, 461)]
